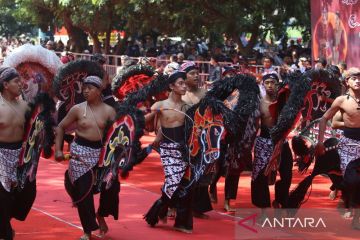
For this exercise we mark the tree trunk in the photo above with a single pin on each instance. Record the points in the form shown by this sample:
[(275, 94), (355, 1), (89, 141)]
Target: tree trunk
[(96, 42), (109, 28), (107, 40), (77, 37)]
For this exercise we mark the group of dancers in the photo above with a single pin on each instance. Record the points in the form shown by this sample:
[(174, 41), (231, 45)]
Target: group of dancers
[(168, 116)]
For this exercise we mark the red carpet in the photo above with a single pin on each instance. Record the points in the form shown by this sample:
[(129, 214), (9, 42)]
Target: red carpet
[(53, 217)]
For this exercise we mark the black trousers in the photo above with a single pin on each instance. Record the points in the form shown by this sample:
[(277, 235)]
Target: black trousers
[(201, 199), (352, 183), (184, 218), (282, 186), (183, 204), (15, 204), (232, 177), (109, 200), (260, 194), (231, 184)]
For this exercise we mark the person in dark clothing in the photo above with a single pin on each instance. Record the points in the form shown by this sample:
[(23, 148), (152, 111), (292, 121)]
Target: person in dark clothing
[(90, 117), (171, 142)]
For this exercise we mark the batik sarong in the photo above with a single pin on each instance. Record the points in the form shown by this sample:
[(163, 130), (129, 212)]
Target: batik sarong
[(82, 160), (262, 153), (9, 159), (349, 150), (174, 166)]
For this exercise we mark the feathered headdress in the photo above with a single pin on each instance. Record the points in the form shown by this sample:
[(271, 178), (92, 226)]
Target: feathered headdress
[(37, 66)]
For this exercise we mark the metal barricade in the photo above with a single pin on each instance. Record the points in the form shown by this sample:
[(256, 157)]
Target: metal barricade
[(114, 61)]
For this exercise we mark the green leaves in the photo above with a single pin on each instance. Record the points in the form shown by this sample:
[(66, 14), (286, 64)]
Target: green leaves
[(11, 23), (184, 18)]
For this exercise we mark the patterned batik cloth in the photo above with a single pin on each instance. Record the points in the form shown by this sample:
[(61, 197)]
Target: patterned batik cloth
[(174, 166), (9, 159), (262, 153), (349, 150), (83, 159)]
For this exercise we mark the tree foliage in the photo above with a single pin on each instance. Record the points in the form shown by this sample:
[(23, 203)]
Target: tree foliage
[(79, 17), (185, 18), (231, 17), (9, 23)]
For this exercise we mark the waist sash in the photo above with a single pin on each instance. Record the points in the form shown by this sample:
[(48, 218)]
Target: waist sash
[(9, 159), (84, 156), (174, 166)]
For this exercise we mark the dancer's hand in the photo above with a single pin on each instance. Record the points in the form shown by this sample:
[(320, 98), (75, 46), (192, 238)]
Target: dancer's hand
[(156, 143), (59, 156), (319, 149)]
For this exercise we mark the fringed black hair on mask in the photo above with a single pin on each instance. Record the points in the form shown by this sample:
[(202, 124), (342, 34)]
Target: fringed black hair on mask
[(75, 70), (300, 85), (328, 164), (126, 73), (48, 107)]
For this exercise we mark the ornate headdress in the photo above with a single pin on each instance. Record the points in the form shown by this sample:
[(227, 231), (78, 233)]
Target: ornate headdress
[(36, 65)]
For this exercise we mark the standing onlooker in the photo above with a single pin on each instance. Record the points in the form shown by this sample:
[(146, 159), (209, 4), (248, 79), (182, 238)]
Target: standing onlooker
[(215, 69), (268, 65), (321, 63), (180, 58), (50, 45)]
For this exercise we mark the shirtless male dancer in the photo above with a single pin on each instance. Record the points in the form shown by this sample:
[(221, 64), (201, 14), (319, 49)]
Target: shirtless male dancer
[(12, 119), (349, 144), (193, 95), (263, 150), (90, 117), (260, 194), (171, 141)]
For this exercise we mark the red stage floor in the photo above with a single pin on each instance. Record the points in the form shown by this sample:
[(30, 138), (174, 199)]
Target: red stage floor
[(53, 217)]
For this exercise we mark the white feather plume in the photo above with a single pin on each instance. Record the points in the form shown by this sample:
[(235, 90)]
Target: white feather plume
[(35, 54)]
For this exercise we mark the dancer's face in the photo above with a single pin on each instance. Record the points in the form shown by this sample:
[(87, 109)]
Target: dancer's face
[(14, 86), (192, 78), (90, 92), (353, 82), (179, 86), (270, 86)]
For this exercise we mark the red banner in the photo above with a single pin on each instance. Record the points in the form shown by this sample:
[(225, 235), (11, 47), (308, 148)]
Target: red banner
[(336, 31)]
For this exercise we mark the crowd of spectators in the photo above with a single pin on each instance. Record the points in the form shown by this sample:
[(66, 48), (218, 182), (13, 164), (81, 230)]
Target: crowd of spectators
[(213, 60)]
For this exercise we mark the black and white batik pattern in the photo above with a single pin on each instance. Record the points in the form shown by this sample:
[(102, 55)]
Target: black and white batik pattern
[(82, 160), (9, 159), (349, 150), (174, 166), (262, 153)]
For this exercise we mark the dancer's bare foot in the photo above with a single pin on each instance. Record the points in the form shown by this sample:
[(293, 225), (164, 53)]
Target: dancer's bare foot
[(183, 229), (227, 206), (347, 214), (333, 194), (103, 227), (86, 236), (171, 213)]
